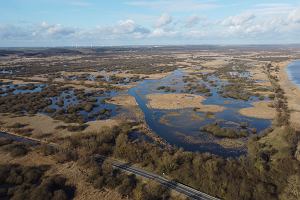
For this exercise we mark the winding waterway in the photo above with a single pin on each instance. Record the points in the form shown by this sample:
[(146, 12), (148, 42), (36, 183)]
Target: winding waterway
[(181, 130), (179, 127)]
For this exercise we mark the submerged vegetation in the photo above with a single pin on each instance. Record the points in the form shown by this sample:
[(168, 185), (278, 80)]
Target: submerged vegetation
[(62, 103), (216, 130)]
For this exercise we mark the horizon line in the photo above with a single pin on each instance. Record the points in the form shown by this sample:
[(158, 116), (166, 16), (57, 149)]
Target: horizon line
[(152, 45)]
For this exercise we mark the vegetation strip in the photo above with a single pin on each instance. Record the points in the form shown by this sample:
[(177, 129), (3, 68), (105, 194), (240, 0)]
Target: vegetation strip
[(186, 190)]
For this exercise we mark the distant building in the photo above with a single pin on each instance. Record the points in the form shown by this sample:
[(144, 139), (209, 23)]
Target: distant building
[(233, 74), (240, 74)]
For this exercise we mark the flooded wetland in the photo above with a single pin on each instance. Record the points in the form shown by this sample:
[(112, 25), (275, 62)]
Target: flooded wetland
[(190, 100)]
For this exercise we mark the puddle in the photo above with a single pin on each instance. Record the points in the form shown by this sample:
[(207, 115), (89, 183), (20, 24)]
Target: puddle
[(13, 89), (97, 108)]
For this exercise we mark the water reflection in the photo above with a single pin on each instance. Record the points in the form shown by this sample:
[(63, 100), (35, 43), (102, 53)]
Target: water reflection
[(182, 127)]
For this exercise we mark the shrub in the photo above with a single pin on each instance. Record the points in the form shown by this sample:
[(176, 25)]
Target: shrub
[(27, 182), (77, 128), (127, 185), (5, 141), (261, 97), (63, 156), (17, 125), (216, 130), (47, 150), (271, 96), (24, 131), (53, 188), (16, 149)]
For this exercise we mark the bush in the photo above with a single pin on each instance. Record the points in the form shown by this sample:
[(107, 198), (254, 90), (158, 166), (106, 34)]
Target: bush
[(271, 96), (48, 150), (151, 191), (24, 131), (63, 156), (77, 128), (26, 182), (127, 185), (16, 149), (53, 188), (216, 130), (5, 141), (88, 107), (17, 125)]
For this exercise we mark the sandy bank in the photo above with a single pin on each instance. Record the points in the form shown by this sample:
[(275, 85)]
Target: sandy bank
[(96, 126), (17, 81), (123, 100), (260, 110), (193, 70), (179, 101), (45, 126), (132, 110), (42, 125), (292, 93)]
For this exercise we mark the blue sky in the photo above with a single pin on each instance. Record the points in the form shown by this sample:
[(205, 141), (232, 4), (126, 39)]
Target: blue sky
[(148, 22)]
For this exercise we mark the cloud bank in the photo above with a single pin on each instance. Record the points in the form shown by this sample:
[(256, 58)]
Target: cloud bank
[(251, 26)]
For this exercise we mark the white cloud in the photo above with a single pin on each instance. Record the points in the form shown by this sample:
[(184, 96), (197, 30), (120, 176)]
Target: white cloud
[(125, 26), (196, 34), (32, 32), (163, 20), (246, 26), (192, 21), (271, 26), (56, 30), (238, 19), (272, 9), (123, 29), (129, 27), (294, 16), (159, 32)]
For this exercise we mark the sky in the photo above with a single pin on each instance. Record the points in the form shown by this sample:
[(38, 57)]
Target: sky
[(30, 23)]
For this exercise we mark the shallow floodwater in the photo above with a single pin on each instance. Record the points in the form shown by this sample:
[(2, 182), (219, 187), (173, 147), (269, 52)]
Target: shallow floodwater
[(293, 70), (100, 109), (69, 99), (181, 127), (15, 89)]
